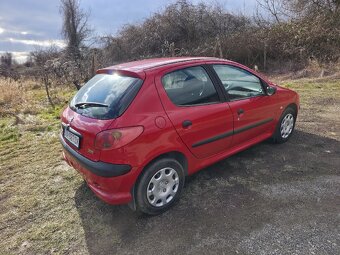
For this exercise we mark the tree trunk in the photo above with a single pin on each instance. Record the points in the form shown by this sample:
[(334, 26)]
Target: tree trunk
[(45, 80)]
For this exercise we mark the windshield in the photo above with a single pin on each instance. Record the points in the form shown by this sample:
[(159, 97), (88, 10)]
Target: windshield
[(105, 96)]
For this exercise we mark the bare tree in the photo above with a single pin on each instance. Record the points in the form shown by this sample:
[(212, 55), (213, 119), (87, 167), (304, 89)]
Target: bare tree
[(277, 9), (43, 70), (75, 28), (76, 31), (7, 66), (6, 59)]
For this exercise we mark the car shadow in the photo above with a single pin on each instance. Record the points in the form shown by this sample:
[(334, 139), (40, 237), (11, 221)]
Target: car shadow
[(224, 207)]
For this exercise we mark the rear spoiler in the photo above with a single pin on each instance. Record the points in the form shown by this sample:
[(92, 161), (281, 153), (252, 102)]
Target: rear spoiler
[(139, 74)]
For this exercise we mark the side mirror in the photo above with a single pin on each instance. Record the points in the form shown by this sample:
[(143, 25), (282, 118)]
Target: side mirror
[(270, 90)]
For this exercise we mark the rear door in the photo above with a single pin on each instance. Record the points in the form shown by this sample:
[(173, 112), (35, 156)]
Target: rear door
[(251, 107), (195, 107)]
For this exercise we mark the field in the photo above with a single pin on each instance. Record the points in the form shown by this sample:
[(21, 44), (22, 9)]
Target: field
[(269, 199)]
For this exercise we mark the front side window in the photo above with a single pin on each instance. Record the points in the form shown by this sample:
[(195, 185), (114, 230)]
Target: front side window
[(238, 83), (190, 86)]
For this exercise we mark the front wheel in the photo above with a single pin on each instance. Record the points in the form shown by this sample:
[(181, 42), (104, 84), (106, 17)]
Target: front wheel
[(285, 126), (159, 186)]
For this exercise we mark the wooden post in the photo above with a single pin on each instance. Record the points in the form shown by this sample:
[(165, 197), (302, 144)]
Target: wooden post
[(219, 46), (265, 57), (172, 49), (94, 63)]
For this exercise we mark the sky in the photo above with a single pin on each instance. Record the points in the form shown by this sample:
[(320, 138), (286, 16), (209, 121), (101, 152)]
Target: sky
[(27, 25)]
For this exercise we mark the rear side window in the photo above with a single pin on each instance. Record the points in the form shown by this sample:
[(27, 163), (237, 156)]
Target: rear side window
[(105, 96), (190, 86), (238, 83)]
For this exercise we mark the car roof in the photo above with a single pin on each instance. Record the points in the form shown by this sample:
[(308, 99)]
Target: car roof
[(139, 66), (152, 63)]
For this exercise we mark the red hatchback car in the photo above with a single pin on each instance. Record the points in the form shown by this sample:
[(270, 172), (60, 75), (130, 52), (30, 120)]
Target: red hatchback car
[(136, 130)]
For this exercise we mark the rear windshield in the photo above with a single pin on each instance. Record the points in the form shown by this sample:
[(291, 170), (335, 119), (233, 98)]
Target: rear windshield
[(105, 96)]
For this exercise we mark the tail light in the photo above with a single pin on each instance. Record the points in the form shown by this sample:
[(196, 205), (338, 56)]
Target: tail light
[(116, 138)]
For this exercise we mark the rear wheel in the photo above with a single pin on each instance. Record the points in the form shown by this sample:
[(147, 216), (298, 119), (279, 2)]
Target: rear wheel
[(285, 126), (159, 186)]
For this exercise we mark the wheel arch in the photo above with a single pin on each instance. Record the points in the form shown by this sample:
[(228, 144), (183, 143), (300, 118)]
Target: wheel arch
[(179, 156), (294, 107)]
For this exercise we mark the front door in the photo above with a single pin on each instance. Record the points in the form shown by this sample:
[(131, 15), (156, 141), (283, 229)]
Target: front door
[(251, 107), (201, 118)]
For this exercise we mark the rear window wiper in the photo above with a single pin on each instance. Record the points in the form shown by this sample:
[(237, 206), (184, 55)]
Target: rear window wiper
[(90, 104)]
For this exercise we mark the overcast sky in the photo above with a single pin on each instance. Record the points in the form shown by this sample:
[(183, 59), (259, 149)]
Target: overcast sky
[(26, 25)]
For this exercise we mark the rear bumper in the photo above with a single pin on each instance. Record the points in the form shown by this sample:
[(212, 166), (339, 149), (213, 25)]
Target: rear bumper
[(110, 182), (96, 167)]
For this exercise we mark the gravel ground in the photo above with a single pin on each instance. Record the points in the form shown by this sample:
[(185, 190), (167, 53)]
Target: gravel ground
[(269, 199)]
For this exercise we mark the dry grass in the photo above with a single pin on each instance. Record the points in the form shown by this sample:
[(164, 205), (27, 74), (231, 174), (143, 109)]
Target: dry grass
[(33, 177), (38, 211), (11, 95), (313, 71), (24, 107), (320, 104)]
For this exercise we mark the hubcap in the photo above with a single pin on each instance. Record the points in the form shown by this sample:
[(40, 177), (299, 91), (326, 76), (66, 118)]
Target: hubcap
[(287, 125), (162, 187)]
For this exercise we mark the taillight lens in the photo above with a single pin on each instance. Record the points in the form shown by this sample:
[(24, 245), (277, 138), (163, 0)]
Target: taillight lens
[(116, 138)]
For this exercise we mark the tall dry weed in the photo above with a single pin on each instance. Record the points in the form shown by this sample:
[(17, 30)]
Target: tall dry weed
[(12, 97)]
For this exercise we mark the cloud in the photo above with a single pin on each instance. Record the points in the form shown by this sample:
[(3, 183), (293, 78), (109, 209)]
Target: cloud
[(5, 32), (41, 43), (36, 16)]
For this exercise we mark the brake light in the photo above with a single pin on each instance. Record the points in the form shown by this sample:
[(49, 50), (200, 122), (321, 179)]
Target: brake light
[(116, 138)]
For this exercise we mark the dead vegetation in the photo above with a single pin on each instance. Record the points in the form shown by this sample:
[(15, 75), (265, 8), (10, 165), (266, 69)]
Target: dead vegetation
[(24, 107)]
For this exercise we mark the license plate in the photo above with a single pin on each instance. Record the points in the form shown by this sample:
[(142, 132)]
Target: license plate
[(72, 138)]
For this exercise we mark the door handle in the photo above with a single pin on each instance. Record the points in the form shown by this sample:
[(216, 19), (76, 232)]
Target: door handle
[(186, 123), (240, 111)]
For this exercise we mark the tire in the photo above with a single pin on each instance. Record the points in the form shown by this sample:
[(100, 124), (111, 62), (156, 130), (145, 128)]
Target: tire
[(160, 186), (285, 126)]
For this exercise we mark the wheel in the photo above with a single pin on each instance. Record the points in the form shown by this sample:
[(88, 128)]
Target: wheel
[(159, 186), (285, 126)]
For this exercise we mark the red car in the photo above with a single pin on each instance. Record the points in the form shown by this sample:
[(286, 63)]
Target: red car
[(136, 130)]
